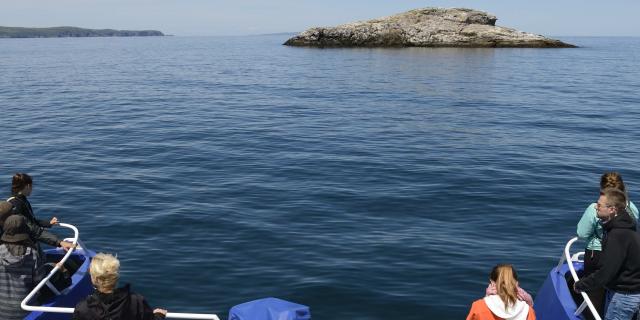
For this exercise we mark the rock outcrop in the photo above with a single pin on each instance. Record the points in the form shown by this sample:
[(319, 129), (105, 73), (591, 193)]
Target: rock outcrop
[(428, 27)]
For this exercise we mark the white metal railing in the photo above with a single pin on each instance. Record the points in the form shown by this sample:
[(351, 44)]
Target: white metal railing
[(569, 259), (33, 292), (75, 240)]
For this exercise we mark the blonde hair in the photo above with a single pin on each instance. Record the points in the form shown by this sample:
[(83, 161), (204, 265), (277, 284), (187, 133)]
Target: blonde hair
[(506, 280), (105, 272)]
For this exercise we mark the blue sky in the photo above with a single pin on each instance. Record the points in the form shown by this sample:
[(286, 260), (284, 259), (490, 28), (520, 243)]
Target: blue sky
[(241, 17)]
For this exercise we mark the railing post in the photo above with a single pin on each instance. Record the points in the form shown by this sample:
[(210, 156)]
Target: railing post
[(567, 256)]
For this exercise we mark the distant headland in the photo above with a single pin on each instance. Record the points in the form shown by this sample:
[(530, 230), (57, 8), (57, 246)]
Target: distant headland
[(63, 32), (427, 27)]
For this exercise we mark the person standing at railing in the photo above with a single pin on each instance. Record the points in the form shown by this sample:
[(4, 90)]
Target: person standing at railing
[(17, 267), (590, 230), (504, 305), (21, 188), (619, 270), (111, 303)]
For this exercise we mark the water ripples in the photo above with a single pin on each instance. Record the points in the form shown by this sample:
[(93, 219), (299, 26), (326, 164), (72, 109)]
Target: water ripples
[(366, 183)]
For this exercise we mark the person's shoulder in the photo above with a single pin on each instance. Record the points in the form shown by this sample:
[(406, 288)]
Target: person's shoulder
[(19, 204), (83, 304), (126, 290), (590, 211), (82, 309), (136, 297), (532, 314), (623, 235), (479, 310), (480, 303), (14, 201)]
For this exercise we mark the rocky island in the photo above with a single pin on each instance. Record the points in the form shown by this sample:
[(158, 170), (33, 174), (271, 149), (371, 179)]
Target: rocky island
[(427, 27), (60, 32)]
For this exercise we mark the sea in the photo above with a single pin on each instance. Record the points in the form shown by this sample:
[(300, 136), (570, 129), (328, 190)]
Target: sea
[(367, 184)]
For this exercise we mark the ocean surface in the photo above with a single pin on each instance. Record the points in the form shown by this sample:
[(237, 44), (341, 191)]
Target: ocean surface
[(364, 183)]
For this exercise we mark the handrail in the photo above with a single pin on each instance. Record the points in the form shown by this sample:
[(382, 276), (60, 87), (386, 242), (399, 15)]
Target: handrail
[(24, 305), (74, 241), (199, 316), (567, 256)]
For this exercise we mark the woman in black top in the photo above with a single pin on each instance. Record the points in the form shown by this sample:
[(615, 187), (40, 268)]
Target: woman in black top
[(21, 188)]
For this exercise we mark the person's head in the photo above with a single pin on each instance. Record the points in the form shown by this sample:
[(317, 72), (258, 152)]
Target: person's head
[(15, 229), (6, 209), (612, 180), (105, 272), (21, 184), (505, 278), (611, 202)]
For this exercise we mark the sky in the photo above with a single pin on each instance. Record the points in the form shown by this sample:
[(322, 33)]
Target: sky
[(245, 17)]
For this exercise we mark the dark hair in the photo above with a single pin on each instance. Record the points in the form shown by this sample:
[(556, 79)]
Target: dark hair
[(506, 280), (20, 181), (616, 198)]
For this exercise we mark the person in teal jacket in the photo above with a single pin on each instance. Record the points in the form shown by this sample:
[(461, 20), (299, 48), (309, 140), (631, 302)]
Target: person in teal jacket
[(590, 230)]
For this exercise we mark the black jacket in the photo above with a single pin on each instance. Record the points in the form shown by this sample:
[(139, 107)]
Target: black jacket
[(619, 267), (37, 227), (122, 304)]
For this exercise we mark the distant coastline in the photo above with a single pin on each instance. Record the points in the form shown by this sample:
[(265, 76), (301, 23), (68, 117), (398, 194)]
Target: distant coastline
[(65, 32)]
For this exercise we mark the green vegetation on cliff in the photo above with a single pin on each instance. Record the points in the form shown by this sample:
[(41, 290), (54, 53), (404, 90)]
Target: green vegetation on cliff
[(61, 32)]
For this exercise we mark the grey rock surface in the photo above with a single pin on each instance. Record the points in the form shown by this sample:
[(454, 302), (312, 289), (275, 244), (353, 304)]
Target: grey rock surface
[(427, 27)]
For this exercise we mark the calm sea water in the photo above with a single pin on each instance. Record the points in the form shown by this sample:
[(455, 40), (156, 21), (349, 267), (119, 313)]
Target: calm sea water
[(365, 183)]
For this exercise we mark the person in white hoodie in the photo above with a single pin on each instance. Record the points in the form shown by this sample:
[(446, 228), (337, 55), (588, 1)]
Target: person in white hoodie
[(505, 304)]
